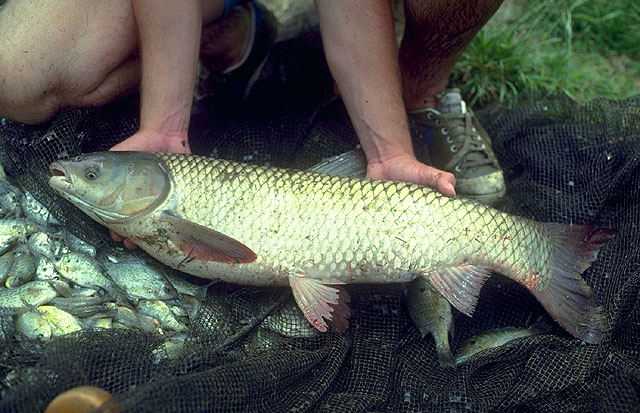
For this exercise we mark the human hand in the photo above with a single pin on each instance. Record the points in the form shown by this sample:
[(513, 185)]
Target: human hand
[(150, 140), (407, 168)]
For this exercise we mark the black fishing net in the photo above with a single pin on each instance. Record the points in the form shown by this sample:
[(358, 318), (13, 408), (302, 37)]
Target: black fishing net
[(248, 349)]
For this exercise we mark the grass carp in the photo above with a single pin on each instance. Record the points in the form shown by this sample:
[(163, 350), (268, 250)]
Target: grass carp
[(256, 225)]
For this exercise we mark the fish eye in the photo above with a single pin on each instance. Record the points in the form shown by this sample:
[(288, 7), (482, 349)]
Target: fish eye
[(91, 173)]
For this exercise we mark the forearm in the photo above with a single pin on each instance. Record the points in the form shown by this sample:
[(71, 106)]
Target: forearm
[(169, 42), (360, 46)]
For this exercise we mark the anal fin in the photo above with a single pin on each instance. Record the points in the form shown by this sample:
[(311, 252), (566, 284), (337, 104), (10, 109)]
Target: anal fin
[(320, 302), (459, 284)]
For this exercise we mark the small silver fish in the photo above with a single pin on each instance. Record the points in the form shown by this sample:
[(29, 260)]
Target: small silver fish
[(22, 271), (9, 204), (431, 313), (137, 280), (62, 287), (34, 326), (476, 346), (45, 270), (6, 262), (24, 297), (79, 245), (191, 305), (83, 270), (187, 284), (18, 227), (100, 320), (289, 322), (43, 244), (161, 312), (81, 306), (7, 242), (35, 211), (61, 322), (171, 349), (125, 316)]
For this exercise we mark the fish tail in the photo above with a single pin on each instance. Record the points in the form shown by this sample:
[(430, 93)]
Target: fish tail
[(566, 295), (445, 357)]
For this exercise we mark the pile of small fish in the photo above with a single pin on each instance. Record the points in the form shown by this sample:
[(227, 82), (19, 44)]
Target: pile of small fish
[(53, 283)]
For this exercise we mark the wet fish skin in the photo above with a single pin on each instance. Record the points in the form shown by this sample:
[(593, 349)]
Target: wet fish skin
[(82, 270), (33, 326), (79, 245), (61, 321), (81, 306), (18, 227), (22, 271), (137, 280), (22, 298), (125, 316), (314, 231), (432, 314), (475, 346), (6, 262), (43, 244), (35, 211), (9, 199), (161, 312), (7, 242), (45, 270), (289, 322)]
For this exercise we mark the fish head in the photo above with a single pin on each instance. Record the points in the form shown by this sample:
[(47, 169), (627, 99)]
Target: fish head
[(111, 187)]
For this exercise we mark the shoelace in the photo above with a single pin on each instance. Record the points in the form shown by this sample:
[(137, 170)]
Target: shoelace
[(464, 140)]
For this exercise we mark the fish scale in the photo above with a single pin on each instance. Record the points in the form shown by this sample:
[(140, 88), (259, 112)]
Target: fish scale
[(299, 233), (257, 225)]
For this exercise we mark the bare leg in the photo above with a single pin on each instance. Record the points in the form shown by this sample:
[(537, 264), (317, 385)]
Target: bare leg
[(59, 53), (436, 34)]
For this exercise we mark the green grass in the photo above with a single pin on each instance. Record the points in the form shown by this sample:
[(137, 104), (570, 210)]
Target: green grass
[(585, 49)]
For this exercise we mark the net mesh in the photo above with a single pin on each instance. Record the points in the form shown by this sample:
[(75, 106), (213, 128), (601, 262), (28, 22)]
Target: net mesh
[(249, 348)]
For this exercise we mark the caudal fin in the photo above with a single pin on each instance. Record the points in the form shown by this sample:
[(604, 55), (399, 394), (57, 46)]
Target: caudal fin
[(567, 297)]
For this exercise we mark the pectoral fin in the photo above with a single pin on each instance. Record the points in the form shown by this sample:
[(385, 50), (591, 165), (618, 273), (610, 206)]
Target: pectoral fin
[(320, 302), (205, 244), (460, 285)]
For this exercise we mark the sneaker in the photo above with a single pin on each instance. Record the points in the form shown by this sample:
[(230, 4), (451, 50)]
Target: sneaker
[(234, 84), (457, 143)]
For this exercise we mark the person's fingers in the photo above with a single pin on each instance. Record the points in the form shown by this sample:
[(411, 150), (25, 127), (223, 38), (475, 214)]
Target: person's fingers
[(148, 140), (411, 170), (128, 244), (119, 238), (115, 236), (444, 182)]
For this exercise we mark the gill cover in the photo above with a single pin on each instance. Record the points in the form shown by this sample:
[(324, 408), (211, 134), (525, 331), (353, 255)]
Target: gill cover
[(111, 186)]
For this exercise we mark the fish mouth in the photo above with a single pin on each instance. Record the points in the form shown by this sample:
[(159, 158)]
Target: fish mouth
[(59, 175)]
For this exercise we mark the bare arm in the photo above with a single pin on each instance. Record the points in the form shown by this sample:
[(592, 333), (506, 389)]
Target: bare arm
[(169, 43), (360, 46)]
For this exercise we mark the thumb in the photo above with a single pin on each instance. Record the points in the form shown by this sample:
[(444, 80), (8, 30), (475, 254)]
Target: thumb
[(435, 178)]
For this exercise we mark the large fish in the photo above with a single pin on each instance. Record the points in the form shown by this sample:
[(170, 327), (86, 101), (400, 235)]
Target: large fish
[(256, 225)]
